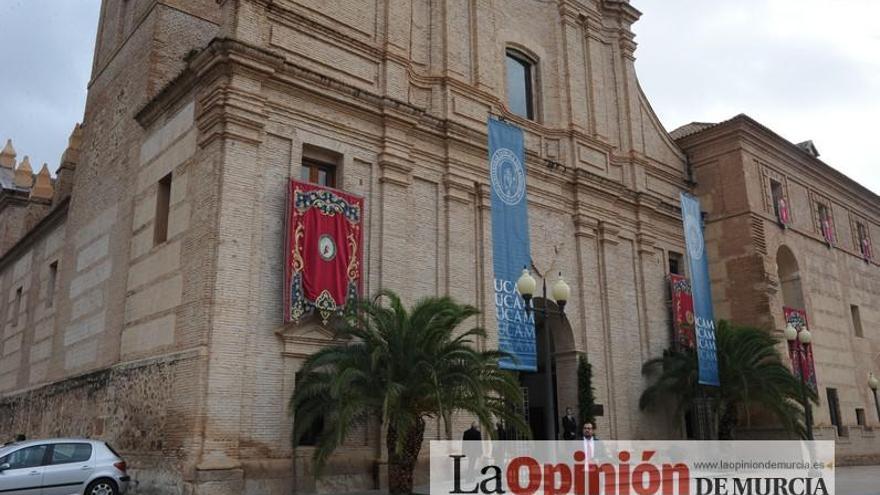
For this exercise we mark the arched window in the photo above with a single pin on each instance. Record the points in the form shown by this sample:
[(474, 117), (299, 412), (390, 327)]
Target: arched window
[(520, 84)]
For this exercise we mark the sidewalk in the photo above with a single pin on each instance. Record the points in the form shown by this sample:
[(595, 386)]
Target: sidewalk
[(857, 480)]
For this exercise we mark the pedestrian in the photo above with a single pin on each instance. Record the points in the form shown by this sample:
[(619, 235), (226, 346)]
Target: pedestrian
[(592, 445), (473, 447), (569, 425)]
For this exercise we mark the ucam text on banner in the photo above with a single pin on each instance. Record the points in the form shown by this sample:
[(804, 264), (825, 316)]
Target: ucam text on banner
[(700, 286)]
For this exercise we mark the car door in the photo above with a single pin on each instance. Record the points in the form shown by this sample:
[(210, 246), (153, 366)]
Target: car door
[(69, 467), (23, 474)]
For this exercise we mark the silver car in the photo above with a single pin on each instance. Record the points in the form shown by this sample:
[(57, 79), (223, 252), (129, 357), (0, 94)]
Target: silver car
[(61, 466)]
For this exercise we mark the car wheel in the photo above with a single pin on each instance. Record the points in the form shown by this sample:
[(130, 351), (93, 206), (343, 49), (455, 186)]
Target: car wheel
[(102, 486)]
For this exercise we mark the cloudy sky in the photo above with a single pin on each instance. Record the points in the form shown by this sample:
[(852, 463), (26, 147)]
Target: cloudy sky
[(808, 69)]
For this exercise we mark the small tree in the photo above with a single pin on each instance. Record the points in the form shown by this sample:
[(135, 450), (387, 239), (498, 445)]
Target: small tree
[(586, 394), (402, 366)]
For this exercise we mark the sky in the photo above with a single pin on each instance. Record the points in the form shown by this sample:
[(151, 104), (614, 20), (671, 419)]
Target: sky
[(807, 69)]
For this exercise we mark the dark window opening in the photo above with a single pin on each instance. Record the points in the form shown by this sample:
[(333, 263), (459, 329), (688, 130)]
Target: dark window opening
[(323, 174), (520, 85), (675, 264), (864, 240), (826, 226), (860, 416), (163, 206), (313, 433), (834, 409), (19, 293), (50, 287), (856, 319)]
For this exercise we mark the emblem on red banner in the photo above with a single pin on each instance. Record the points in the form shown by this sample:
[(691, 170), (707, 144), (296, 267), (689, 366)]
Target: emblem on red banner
[(323, 256)]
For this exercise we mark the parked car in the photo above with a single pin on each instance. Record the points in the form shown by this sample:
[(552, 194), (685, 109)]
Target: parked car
[(62, 466)]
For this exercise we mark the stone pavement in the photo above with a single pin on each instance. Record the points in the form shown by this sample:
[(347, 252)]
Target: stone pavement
[(857, 480)]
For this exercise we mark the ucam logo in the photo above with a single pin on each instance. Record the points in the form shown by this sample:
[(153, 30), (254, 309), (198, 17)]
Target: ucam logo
[(694, 237), (508, 177)]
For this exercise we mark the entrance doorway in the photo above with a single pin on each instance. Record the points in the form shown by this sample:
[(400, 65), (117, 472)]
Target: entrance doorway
[(553, 387)]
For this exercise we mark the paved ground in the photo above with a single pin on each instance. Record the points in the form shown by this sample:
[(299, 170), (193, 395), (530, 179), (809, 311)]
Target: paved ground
[(860, 480)]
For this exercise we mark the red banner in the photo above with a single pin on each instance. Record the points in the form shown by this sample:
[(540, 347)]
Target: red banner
[(784, 217), (828, 230), (801, 359), (866, 249), (323, 259), (682, 311)]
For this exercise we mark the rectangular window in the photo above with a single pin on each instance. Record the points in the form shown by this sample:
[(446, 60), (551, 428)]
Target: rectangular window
[(50, 284), (675, 263), (864, 241), (834, 409), (520, 93), (826, 225), (18, 296), (65, 453), (310, 438), (780, 207), (860, 416), (163, 205), (323, 174), (856, 319)]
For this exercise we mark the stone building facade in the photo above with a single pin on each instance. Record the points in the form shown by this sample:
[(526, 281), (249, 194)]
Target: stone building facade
[(758, 266), (163, 331), (159, 327)]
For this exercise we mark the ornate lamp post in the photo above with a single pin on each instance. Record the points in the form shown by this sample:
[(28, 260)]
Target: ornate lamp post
[(801, 342), (560, 292), (874, 383)]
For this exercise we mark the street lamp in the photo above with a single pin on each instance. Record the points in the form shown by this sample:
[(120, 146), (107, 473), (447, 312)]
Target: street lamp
[(801, 340), (873, 382), (560, 292)]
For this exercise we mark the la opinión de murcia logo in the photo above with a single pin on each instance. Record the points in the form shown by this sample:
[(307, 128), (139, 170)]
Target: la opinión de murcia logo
[(525, 475)]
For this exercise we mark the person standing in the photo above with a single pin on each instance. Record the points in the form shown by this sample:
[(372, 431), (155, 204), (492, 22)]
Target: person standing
[(569, 425), (592, 449), (473, 447)]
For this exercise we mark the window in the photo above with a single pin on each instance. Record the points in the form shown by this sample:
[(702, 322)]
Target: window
[(63, 453), (310, 438), (826, 225), (520, 84), (834, 409), (25, 458), (780, 208), (864, 241), (163, 204), (860, 416), (50, 288), (323, 174), (856, 319), (18, 296), (675, 264)]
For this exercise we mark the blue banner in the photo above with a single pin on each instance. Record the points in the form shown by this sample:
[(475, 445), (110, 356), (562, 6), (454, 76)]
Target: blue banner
[(510, 244), (702, 291)]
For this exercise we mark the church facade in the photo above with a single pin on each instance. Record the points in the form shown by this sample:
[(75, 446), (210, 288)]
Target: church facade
[(145, 306)]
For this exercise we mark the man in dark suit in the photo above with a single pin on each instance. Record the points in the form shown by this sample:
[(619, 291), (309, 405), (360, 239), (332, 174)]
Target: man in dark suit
[(593, 450), (473, 447), (569, 426)]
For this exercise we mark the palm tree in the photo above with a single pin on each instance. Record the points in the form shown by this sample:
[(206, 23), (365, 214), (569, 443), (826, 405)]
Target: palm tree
[(751, 372), (403, 367)]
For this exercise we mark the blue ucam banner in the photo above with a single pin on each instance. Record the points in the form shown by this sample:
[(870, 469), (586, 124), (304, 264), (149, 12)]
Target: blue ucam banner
[(510, 244), (702, 292)]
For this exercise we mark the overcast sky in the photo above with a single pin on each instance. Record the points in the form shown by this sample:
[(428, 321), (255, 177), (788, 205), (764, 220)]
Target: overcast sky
[(808, 69)]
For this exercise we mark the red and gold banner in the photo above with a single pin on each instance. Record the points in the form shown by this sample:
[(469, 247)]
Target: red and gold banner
[(682, 311), (784, 217), (802, 360), (324, 260)]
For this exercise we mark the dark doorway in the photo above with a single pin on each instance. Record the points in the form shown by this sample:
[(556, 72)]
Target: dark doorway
[(535, 389), (834, 409)]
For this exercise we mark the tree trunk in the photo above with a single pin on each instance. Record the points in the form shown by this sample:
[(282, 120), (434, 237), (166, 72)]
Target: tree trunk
[(402, 463)]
